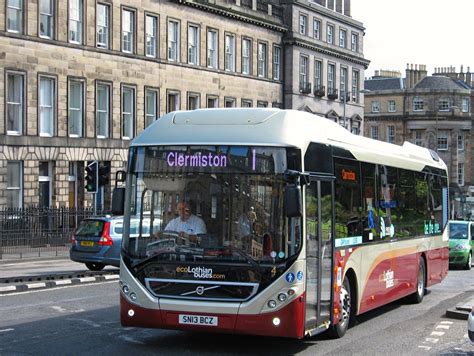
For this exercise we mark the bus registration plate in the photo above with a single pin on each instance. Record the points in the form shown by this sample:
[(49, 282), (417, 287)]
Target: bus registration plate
[(198, 320)]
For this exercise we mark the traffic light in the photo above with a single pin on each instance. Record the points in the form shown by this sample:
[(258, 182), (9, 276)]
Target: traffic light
[(92, 176), (104, 173)]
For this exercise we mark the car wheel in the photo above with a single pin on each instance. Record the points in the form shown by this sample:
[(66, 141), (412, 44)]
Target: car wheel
[(95, 266), (417, 297), (338, 330), (469, 261)]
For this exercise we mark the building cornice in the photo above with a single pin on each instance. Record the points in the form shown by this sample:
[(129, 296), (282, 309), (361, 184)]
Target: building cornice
[(327, 51), (233, 14)]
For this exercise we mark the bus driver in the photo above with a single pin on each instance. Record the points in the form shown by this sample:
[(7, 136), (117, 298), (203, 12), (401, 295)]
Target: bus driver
[(187, 224)]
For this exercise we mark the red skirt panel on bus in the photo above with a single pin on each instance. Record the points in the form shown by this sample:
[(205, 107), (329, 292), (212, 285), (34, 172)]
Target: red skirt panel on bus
[(291, 320), (392, 274)]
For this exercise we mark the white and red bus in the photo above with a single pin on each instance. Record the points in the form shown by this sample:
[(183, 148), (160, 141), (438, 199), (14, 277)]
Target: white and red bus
[(307, 225)]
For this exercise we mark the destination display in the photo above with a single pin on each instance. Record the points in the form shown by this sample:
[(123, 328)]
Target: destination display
[(210, 159)]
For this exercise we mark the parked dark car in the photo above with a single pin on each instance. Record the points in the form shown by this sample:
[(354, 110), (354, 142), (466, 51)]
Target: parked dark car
[(97, 242)]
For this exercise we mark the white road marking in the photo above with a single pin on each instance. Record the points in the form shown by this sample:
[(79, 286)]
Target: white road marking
[(447, 322), (36, 285), (87, 279), (6, 330), (7, 288), (424, 347), (50, 289), (63, 282), (446, 327), (432, 340), (112, 276), (437, 333)]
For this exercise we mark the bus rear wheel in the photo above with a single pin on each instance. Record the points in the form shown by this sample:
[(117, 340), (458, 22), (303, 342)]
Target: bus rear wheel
[(339, 330), (417, 297)]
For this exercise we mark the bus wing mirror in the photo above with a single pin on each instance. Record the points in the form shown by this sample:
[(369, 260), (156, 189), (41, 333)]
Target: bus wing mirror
[(118, 201), (292, 201)]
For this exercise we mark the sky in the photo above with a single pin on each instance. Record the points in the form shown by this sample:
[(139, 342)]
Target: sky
[(436, 33)]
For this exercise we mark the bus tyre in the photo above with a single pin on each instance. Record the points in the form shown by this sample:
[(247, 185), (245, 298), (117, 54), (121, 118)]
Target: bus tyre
[(417, 297), (338, 330), (469, 261), (95, 266)]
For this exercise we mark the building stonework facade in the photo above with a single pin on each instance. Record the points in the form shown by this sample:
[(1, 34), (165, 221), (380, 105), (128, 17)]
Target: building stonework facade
[(430, 111), (81, 78)]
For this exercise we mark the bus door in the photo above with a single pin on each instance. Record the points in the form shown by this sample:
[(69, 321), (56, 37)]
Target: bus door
[(319, 252)]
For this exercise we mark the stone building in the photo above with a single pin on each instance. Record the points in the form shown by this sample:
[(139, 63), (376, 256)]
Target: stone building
[(430, 111), (81, 78)]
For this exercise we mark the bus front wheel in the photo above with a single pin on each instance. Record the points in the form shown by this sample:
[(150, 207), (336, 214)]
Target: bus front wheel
[(338, 330)]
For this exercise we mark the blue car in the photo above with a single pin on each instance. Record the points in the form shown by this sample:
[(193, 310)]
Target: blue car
[(97, 242)]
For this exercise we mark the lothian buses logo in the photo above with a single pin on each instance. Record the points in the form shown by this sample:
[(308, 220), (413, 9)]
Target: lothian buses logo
[(200, 272)]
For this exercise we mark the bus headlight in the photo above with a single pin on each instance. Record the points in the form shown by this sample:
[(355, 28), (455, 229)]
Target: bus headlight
[(125, 289), (272, 304), (282, 297), (276, 321), (133, 296)]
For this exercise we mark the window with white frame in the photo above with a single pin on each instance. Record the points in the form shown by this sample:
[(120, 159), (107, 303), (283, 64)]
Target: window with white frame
[(418, 104), (45, 184), (262, 104), (355, 86), (246, 55), (391, 106), (391, 134), (193, 101), (102, 110), (193, 44), (128, 30), (331, 78), (172, 101), (47, 90), (76, 108), (151, 35), (212, 48), (229, 102), (246, 103), (316, 29), (442, 140), (461, 174), (15, 103), (151, 106), (354, 42), (15, 10), (444, 104), (103, 25), (46, 18), (318, 74), (262, 60), (465, 104), (128, 112), (212, 102), (173, 40), (461, 141), (304, 69), (76, 15), (14, 193), (229, 59), (374, 132), (342, 38), (330, 34), (343, 85), (375, 106), (303, 25), (276, 62), (418, 138)]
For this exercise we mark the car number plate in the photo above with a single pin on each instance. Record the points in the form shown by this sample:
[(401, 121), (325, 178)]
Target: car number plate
[(198, 320), (87, 243)]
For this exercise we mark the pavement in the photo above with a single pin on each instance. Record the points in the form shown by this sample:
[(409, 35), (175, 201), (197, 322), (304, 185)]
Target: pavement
[(33, 273)]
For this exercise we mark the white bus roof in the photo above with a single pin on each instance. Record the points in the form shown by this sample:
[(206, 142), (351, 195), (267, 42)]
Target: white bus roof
[(275, 127)]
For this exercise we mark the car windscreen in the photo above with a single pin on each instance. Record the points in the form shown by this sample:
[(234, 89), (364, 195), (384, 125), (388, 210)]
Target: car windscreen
[(458, 231), (92, 228)]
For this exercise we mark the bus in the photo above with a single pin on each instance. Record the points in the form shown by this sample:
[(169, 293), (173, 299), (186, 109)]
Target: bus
[(306, 224)]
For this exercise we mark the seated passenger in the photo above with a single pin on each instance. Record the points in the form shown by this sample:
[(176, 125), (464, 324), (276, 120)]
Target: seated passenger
[(187, 224)]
